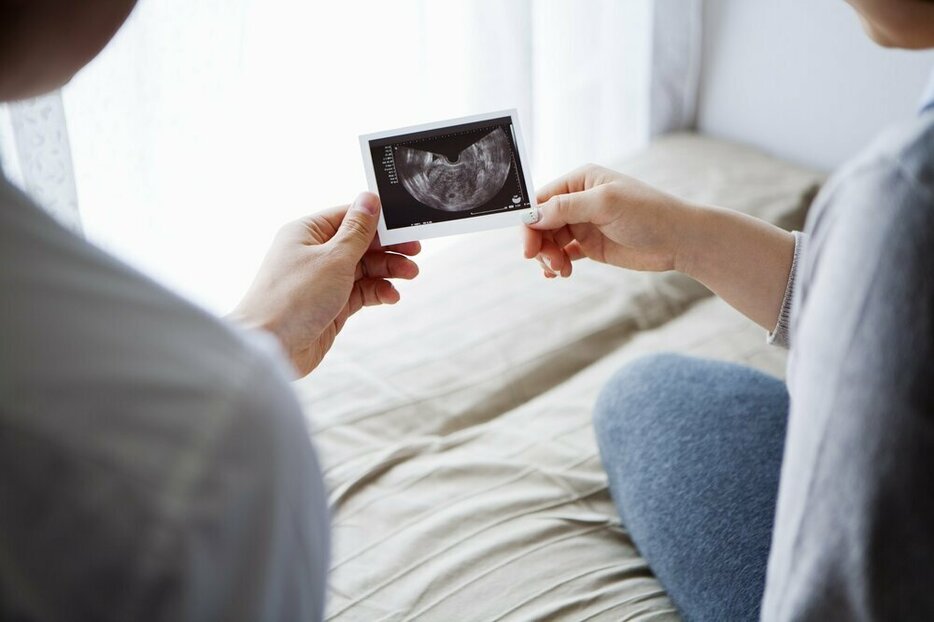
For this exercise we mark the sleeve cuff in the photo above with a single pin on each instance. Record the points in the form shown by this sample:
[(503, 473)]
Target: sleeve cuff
[(780, 335)]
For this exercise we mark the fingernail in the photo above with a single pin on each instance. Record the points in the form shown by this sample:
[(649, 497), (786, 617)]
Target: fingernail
[(547, 262), (367, 202), (532, 216)]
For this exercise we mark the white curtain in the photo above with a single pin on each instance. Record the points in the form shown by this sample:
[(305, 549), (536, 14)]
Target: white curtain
[(205, 125), (36, 155)]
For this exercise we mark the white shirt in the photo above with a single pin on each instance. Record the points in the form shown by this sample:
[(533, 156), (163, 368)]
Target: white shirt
[(154, 463)]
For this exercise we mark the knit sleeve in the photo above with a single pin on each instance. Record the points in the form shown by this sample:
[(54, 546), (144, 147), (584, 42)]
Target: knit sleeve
[(780, 335)]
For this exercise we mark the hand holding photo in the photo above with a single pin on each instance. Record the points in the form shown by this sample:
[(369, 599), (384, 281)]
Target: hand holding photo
[(449, 177)]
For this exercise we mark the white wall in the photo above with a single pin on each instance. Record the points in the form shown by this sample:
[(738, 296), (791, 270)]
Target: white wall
[(801, 80)]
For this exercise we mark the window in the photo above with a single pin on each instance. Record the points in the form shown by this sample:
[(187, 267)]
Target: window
[(204, 126)]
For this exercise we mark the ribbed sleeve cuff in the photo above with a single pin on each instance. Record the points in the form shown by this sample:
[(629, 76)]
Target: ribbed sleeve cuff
[(780, 335)]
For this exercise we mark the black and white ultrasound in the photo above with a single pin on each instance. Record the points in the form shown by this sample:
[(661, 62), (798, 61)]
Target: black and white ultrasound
[(460, 171)]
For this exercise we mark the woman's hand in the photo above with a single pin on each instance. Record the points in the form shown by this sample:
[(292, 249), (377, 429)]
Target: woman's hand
[(606, 216), (320, 270)]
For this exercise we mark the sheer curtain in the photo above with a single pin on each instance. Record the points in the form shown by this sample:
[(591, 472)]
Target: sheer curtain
[(35, 154), (205, 125)]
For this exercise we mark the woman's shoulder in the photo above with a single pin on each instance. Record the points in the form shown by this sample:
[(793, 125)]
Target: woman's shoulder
[(904, 151), (895, 172)]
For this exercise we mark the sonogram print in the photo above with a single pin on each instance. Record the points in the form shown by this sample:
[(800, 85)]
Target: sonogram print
[(465, 182)]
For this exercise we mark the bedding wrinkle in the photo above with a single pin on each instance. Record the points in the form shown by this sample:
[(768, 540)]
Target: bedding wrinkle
[(542, 543), (637, 613), (549, 368), (570, 609), (497, 425), (444, 549), (525, 472), (614, 570), (644, 615), (484, 453), (390, 460)]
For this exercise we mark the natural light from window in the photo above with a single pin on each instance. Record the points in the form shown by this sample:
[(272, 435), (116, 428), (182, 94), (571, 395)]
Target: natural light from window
[(206, 125)]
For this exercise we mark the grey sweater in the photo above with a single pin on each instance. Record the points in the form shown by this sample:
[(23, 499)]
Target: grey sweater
[(854, 526)]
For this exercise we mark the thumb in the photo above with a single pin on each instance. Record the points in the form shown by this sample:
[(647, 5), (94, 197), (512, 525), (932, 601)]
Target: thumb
[(566, 209), (359, 225)]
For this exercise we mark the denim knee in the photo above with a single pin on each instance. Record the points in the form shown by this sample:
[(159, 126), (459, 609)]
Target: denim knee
[(692, 450), (631, 398)]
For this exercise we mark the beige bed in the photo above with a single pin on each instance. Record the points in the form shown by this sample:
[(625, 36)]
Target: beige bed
[(454, 428)]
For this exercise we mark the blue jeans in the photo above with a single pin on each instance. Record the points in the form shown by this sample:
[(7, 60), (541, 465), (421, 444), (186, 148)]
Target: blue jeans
[(693, 452)]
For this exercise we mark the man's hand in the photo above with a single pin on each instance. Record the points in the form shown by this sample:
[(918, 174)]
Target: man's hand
[(320, 270)]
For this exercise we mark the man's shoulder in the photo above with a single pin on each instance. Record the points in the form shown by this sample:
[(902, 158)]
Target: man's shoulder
[(71, 310), (90, 343), (127, 415)]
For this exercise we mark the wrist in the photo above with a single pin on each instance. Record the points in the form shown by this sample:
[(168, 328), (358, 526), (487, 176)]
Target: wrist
[(250, 321), (690, 225)]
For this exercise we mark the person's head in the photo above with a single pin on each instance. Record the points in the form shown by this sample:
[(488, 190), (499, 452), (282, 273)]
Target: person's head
[(898, 23), (43, 43)]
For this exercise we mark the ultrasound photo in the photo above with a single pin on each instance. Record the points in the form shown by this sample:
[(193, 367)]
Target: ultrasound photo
[(463, 182), (451, 172)]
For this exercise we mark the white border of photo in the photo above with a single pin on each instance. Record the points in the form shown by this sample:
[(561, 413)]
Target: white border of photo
[(460, 225)]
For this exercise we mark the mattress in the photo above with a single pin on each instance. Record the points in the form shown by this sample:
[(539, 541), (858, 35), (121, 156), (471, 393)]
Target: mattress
[(454, 428)]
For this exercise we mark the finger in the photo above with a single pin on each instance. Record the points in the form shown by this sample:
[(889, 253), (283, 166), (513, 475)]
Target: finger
[(566, 267), (574, 251), (370, 293), (571, 182), (532, 242), (358, 228), (562, 236), (405, 248), (553, 256), (319, 227), (377, 264), (570, 209), (548, 272), (579, 179), (571, 251)]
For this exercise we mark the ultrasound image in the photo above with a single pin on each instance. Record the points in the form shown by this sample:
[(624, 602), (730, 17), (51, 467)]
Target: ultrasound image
[(448, 172), (460, 183)]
